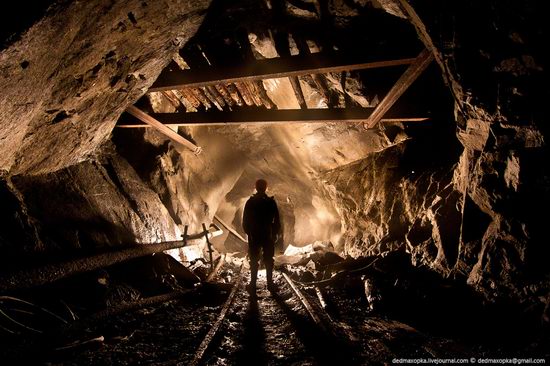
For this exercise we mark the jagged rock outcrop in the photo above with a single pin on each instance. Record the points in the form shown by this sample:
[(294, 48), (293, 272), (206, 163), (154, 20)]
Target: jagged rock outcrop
[(190, 186), (68, 78), (474, 220), (388, 207), (503, 182), (481, 221), (101, 202)]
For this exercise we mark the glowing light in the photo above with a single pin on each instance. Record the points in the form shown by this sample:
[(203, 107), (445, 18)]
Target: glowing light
[(292, 250), (191, 252)]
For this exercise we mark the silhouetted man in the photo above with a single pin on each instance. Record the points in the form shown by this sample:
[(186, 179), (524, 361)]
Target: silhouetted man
[(261, 223)]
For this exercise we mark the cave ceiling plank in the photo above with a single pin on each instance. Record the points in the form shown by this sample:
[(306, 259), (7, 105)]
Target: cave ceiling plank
[(280, 67), (347, 115)]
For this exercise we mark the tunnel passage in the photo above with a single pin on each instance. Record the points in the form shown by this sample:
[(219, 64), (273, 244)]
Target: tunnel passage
[(403, 142)]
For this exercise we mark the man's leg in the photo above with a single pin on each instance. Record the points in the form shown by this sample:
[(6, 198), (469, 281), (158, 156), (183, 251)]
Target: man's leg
[(268, 252), (254, 257)]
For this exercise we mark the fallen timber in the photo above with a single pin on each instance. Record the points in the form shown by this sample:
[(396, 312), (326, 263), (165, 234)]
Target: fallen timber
[(231, 230), (319, 314), (53, 272), (305, 302), (216, 269), (212, 332), (76, 327), (337, 275)]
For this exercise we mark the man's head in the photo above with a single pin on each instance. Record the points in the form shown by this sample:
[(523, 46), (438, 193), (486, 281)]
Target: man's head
[(261, 185)]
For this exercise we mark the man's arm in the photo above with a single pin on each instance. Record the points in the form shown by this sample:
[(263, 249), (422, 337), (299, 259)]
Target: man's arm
[(276, 220), (246, 218)]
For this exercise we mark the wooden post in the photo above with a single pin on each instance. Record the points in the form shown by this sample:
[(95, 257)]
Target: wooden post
[(185, 235), (209, 247)]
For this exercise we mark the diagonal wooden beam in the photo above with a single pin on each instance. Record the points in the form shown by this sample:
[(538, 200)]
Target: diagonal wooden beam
[(409, 76), (267, 69), (159, 126), (298, 93), (262, 116)]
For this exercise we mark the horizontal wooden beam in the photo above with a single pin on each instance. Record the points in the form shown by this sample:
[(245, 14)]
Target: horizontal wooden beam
[(267, 69), (281, 116), (159, 126)]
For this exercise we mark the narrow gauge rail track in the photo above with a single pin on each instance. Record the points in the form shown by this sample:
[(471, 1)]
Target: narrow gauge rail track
[(287, 326)]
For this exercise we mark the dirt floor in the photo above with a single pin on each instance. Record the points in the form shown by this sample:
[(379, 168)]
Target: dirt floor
[(271, 328)]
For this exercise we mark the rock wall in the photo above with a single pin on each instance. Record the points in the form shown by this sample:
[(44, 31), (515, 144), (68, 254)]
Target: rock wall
[(69, 77), (65, 82), (190, 186), (402, 198), (98, 203), (480, 218)]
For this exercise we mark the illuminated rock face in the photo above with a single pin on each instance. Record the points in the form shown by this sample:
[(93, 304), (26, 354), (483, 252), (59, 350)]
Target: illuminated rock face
[(473, 217), (96, 203), (470, 217), (68, 78), (195, 188)]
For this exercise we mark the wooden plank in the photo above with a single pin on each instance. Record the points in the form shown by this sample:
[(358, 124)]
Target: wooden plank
[(298, 93), (262, 116), (409, 76), (144, 117), (230, 229), (267, 69), (216, 326), (219, 265), (189, 124), (304, 301)]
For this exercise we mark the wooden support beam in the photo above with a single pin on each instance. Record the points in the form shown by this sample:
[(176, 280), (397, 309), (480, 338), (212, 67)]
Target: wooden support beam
[(281, 116), (267, 69), (298, 93), (144, 117), (409, 76), (52, 272), (230, 229)]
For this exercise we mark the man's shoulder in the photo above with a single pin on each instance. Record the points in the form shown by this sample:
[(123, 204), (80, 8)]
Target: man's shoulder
[(270, 199), (260, 198)]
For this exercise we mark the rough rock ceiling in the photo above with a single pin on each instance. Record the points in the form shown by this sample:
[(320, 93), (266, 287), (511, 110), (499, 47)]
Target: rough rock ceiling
[(68, 78), (292, 156)]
